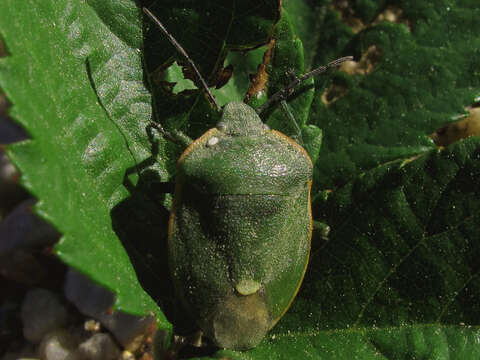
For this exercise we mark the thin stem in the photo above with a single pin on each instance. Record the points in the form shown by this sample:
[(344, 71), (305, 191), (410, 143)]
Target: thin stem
[(183, 52)]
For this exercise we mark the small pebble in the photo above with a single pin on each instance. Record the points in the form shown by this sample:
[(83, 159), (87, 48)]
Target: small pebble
[(57, 345), (129, 330), (41, 313), (23, 229), (95, 301), (90, 299), (91, 326), (7, 170), (99, 347)]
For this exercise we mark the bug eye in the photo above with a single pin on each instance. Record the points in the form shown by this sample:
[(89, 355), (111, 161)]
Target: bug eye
[(221, 126), (266, 127), (212, 141)]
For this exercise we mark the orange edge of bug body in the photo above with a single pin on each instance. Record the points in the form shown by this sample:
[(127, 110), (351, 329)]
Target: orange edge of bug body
[(296, 145)]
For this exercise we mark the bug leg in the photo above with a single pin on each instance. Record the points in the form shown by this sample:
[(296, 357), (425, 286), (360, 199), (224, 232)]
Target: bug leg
[(291, 118), (292, 76), (287, 90), (309, 136)]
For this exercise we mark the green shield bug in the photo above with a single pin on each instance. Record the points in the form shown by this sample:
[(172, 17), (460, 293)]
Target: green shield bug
[(241, 222)]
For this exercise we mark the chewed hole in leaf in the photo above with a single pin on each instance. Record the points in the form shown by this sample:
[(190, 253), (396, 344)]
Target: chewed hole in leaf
[(347, 12), (333, 93), (392, 14), (348, 15), (364, 66), (460, 129)]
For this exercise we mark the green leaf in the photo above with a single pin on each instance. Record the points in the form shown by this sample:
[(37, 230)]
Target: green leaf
[(407, 342), (76, 159), (424, 73), (414, 260)]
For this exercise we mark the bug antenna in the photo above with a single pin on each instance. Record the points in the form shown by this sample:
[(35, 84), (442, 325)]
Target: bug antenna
[(183, 52), (286, 91)]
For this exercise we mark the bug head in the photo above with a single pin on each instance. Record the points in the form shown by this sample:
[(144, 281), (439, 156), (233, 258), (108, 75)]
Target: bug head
[(239, 119)]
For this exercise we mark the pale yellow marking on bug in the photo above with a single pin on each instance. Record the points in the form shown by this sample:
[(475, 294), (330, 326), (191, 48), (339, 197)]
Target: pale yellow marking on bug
[(247, 287)]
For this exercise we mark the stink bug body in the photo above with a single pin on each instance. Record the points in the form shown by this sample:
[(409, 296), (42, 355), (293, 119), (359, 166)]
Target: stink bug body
[(240, 227), (241, 223)]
